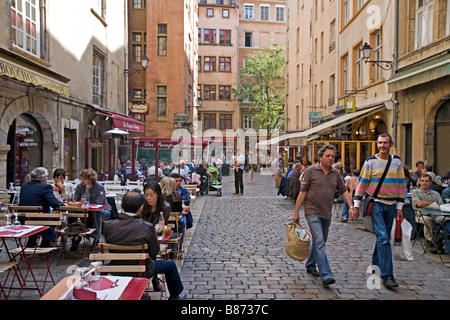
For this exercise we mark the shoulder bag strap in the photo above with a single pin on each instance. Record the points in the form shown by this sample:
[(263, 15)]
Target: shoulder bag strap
[(382, 177)]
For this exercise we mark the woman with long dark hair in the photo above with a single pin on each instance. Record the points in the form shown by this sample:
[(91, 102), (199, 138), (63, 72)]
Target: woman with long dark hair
[(155, 202)]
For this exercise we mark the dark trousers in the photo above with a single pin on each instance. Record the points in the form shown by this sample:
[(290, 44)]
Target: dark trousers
[(239, 181), (169, 269)]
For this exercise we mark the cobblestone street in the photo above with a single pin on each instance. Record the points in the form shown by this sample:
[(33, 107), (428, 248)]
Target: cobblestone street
[(237, 252)]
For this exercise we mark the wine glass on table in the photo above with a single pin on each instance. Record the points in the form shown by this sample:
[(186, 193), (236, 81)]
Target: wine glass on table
[(8, 220), (96, 265), (16, 223)]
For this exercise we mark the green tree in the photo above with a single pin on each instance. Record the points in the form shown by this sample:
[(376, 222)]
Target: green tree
[(262, 85)]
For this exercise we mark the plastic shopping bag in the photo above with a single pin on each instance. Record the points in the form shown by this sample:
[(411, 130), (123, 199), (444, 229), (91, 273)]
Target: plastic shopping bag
[(401, 238)]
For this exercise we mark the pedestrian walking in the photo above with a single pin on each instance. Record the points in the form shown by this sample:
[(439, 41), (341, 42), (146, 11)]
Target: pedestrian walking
[(388, 203), (317, 190), (239, 162)]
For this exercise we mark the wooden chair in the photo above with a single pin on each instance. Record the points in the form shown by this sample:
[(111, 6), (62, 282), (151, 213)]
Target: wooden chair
[(82, 214), (6, 266), (42, 219), (4, 200), (177, 238), (133, 259)]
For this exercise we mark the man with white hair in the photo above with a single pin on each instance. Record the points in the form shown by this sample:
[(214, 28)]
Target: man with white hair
[(38, 192)]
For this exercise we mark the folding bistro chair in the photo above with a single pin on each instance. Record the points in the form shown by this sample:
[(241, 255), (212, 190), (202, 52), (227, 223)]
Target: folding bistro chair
[(177, 237), (126, 260), (6, 266), (82, 215)]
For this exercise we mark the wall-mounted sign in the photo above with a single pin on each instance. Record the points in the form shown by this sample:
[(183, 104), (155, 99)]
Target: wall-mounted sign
[(138, 108), (315, 115), (350, 104)]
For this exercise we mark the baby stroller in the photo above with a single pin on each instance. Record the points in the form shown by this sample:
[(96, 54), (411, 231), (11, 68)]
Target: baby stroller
[(214, 184)]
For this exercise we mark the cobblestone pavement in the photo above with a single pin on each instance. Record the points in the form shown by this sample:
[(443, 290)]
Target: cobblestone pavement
[(237, 252)]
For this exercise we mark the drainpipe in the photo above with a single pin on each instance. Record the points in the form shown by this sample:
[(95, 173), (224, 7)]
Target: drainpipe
[(395, 104)]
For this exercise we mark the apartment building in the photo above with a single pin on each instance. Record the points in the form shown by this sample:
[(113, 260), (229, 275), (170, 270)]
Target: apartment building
[(61, 75), (421, 83), (333, 95), (171, 77), (218, 66)]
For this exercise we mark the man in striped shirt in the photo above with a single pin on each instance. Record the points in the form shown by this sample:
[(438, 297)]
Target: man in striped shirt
[(387, 205)]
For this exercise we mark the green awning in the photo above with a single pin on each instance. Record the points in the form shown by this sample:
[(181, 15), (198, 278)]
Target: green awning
[(422, 73)]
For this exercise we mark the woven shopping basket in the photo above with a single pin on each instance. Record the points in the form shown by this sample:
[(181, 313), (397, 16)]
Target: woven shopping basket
[(298, 241)]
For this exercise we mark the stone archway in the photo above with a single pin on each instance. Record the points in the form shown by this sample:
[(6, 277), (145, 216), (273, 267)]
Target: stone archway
[(442, 138)]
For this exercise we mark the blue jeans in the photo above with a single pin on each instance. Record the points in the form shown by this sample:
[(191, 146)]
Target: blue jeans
[(345, 210), (317, 253), (383, 218), (447, 237), (173, 280)]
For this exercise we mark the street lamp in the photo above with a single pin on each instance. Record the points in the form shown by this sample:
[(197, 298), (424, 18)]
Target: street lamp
[(199, 104), (366, 50), (116, 134), (144, 64)]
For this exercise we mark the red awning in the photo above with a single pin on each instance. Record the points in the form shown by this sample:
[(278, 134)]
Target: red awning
[(121, 121)]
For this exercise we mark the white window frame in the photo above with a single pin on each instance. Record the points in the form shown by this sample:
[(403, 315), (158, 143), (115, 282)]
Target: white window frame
[(265, 6), (22, 40), (359, 68), (97, 83), (248, 121), (249, 11), (447, 27), (378, 54), (277, 13), (345, 72), (426, 13)]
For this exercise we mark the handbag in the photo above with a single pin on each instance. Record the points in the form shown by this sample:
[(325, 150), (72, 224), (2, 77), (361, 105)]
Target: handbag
[(189, 220), (369, 203), (298, 241), (401, 235)]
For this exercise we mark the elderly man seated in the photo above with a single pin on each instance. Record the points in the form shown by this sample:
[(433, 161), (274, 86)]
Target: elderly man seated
[(38, 192), (129, 229), (422, 198)]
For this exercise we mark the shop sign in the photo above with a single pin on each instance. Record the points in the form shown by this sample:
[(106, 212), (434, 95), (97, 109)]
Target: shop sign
[(138, 108), (297, 141), (17, 72), (315, 115), (350, 104)]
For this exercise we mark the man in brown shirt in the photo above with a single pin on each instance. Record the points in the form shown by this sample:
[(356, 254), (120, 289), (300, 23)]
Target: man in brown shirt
[(318, 187)]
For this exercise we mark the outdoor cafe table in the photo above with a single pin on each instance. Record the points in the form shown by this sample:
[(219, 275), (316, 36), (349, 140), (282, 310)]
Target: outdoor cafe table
[(439, 225), (133, 290), (20, 237)]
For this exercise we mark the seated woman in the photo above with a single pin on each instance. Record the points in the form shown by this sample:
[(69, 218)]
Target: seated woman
[(174, 198)]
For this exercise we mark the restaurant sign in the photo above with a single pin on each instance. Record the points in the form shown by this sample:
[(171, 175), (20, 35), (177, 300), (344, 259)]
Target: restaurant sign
[(138, 108), (21, 73)]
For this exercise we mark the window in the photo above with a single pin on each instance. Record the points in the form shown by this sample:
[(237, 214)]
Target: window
[(332, 94), (199, 35), (97, 80), (137, 4), (209, 92), (138, 97), (249, 11), (344, 69), (424, 22), (199, 63), (279, 13), (447, 27), (25, 25), (209, 36), (210, 12), (346, 11), (138, 47), (225, 13), (224, 36), (359, 65), (247, 120), (332, 36), (378, 55), (321, 46), (265, 13), (162, 40), (224, 92), (297, 82), (360, 3), (209, 121), (225, 121), (161, 101), (224, 64), (248, 37), (209, 64)]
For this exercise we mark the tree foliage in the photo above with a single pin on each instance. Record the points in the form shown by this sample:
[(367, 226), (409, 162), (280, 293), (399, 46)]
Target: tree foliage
[(262, 85)]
